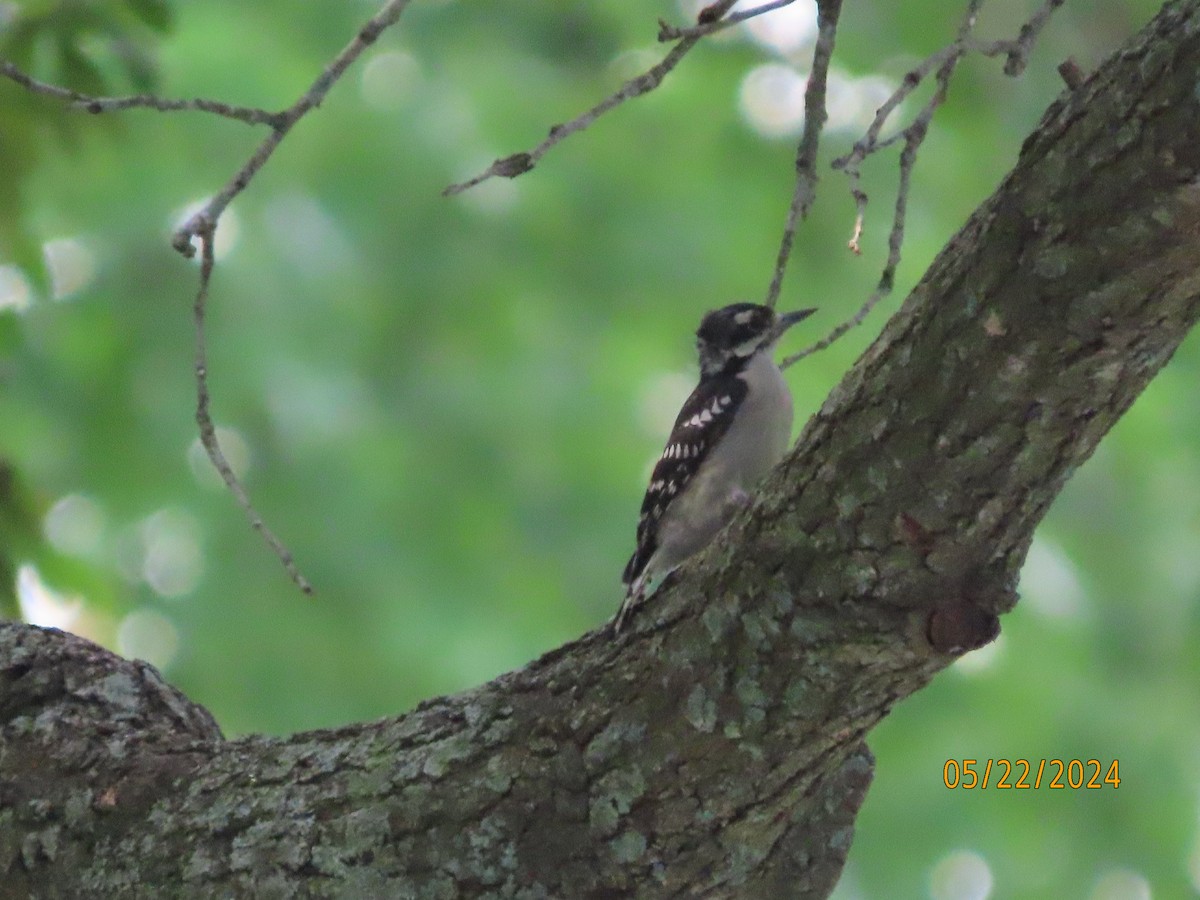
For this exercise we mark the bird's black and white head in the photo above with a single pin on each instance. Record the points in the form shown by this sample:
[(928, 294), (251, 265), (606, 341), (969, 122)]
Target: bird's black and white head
[(728, 337)]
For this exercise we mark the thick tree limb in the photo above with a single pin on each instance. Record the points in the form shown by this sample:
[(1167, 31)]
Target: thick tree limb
[(718, 750)]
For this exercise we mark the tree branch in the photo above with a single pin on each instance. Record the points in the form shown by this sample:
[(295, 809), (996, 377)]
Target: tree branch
[(201, 225), (815, 116), (520, 163), (668, 32), (249, 115), (943, 63), (716, 750), (206, 217), (1018, 49), (208, 432)]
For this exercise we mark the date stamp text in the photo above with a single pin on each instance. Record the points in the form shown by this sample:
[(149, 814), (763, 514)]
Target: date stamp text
[(1024, 774)]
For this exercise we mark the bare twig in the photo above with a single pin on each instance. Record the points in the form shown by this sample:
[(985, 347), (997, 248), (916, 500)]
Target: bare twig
[(943, 63), (851, 163), (913, 136), (520, 163), (1017, 50), (205, 218), (208, 433), (88, 103), (202, 225), (668, 32), (805, 191), (853, 244)]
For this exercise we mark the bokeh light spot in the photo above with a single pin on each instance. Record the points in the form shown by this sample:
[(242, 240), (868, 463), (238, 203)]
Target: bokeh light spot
[(171, 561), (41, 605), (961, 875), (75, 525), (149, 635), (389, 80), (852, 102), (690, 9), (632, 63), (235, 450), (15, 293), (659, 401), (313, 408), (980, 660), (772, 100), (783, 30), (72, 266), (1049, 583), (491, 197), (1121, 884), (1193, 864)]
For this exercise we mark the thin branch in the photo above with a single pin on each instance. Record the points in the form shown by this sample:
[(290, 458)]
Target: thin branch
[(943, 62), (202, 225), (914, 137), (667, 32), (815, 116), (208, 433), (520, 163), (205, 219), (1018, 49), (88, 103)]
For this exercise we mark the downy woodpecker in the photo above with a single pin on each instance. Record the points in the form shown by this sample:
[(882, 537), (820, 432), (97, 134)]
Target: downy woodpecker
[(732, 430)]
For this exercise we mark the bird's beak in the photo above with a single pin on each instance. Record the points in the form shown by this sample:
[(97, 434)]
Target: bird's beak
[(787, 320)]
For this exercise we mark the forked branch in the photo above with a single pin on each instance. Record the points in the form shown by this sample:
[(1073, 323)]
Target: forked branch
[(201, 226), (941, 65)]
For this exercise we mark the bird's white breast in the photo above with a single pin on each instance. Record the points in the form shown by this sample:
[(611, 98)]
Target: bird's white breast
[(760, 433)]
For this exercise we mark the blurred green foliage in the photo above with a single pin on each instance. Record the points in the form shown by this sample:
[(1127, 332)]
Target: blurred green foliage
[(446, 408), (83, 45)]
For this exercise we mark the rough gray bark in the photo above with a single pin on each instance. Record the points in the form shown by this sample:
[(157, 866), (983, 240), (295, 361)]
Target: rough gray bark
[(718, 749)]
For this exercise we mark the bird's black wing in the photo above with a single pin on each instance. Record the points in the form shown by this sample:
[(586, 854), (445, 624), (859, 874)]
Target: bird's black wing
[(703, 421)]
